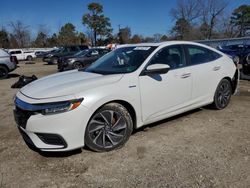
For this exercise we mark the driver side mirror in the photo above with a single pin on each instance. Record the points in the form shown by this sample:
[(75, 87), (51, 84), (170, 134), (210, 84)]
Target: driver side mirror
[(156, 69)]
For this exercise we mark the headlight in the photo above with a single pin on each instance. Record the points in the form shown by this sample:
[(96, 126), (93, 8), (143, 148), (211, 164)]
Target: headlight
[(60, 107), (71, 60)]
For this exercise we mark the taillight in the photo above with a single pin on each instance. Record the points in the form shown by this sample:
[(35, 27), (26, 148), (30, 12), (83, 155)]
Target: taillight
[(13, 59)]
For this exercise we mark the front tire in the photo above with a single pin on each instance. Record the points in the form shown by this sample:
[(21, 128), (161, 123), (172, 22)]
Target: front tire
[(109, 128), (77, 65), (222, 95), (53, 61), (3, 72)]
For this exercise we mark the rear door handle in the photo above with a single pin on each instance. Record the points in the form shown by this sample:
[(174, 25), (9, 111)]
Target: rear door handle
[(186, 75), (216, 68)]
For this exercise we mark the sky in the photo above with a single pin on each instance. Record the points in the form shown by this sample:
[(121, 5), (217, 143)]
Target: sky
[(143, 17)]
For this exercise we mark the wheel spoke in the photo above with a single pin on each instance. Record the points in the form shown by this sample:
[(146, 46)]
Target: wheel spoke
[(120, 127), (96, 128), (115, 134), (111, 140), (111, 116), (93, 121), (99, 134), (103, 139), (104, 118), (116, 123)]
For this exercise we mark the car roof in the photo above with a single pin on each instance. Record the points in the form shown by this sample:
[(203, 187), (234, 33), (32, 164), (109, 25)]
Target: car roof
[(14, 49), (164, 43)]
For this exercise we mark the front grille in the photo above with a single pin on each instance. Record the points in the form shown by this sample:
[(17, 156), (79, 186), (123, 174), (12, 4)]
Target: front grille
[(52, 139), (22, 116)]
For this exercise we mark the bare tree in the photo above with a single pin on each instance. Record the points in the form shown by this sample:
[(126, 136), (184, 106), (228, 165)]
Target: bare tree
[(211, 10), (189, 10), (21, 33), (157, 37)]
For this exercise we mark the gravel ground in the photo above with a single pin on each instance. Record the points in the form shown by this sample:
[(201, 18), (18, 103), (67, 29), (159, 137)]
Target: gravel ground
[(202, 148)]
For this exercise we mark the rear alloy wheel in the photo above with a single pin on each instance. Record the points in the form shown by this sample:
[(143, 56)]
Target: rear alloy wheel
[(109, 128), (222, 95), (3, 72), (77, 65)]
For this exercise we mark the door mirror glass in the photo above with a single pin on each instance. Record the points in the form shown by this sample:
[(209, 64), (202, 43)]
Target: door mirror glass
[(157, 69)]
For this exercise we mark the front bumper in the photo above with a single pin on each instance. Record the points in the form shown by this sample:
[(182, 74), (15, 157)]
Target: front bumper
[(63, 66), (48, 59), (57, 132), (12, 66)]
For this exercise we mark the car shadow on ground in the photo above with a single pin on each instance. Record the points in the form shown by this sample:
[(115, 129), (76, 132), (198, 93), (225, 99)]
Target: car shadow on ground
[(30, 62), (60, 154), (49, 64), (151, 125), (13, 75)]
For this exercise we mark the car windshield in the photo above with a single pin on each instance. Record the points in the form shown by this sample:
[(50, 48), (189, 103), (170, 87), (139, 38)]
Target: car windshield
[(56, 50), (81, 53), (122, 60)]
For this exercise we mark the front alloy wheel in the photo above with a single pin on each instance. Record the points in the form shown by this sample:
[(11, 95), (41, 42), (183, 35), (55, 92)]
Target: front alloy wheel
[(222, 95), (109, 128)]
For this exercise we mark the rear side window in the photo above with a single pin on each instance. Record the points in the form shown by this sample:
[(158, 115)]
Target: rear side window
[(198, 55)]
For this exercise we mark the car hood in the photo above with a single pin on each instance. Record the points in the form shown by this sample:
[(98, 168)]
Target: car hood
[(66, 83)]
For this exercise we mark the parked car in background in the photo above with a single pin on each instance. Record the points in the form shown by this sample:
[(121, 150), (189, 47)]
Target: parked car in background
[(22, 54), (241, 52), (132, 86), (8, 63), (40, 54), (53, 56), (81, 59)]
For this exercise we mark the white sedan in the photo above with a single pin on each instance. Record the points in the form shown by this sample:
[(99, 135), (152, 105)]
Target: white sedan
[(132, 86)]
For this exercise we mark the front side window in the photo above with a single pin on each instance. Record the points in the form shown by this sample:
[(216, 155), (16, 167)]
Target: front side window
[(81, 53), (102, 52), (121, 60), (198, 55), (172, 56), (15, 52)]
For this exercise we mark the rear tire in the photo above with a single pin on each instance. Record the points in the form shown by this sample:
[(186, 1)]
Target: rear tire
[(29, 58), (3, 72), (109, 128), (222, 95)]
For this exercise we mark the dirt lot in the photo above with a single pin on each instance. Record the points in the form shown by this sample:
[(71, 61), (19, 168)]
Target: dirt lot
[(204, 148)]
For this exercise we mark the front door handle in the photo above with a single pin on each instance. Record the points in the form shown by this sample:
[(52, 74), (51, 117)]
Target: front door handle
[(186, 75), (216, 68)]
